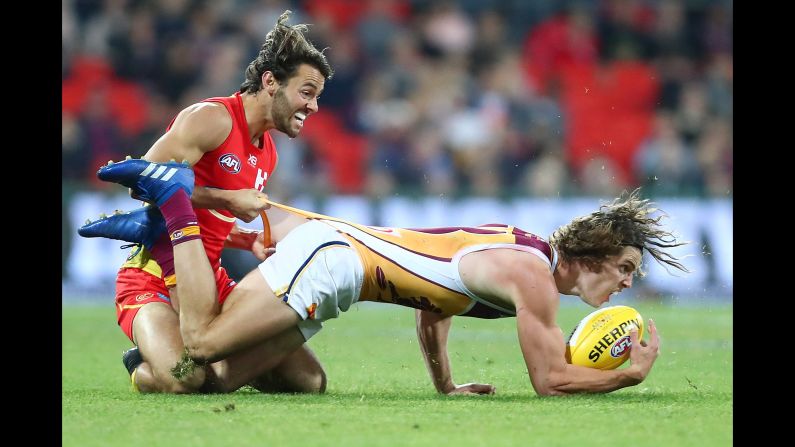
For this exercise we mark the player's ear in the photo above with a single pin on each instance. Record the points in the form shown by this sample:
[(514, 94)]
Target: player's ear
[(269, 83)]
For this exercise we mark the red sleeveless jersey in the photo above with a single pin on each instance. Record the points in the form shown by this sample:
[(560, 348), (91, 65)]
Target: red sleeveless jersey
[(235, 164)]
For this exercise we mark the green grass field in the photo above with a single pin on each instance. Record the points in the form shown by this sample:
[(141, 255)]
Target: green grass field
[(379, 393)]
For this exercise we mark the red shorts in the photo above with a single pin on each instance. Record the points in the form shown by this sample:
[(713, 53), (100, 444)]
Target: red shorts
[(135, 288)]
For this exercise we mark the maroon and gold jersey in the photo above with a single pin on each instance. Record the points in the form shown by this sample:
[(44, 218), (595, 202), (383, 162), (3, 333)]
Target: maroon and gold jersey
[(235, 164), (419, 267)]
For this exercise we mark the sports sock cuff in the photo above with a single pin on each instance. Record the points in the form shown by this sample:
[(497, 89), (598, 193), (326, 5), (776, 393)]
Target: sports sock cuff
[(185, 234), (180, 218)]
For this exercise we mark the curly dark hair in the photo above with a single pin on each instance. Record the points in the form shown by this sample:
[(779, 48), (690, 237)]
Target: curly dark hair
[(284, 50), (627, 221)]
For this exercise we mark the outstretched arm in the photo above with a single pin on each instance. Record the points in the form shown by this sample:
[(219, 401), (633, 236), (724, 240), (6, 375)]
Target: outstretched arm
[(526, 281), (543, 350), (432, 330)]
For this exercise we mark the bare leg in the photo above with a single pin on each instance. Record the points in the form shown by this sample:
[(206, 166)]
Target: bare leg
[(281, 364), (156, 332), (208, 334), (299, 372), (284, 354)]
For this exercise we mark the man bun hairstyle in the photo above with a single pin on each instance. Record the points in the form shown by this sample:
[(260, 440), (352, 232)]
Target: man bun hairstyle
[(284, 50)]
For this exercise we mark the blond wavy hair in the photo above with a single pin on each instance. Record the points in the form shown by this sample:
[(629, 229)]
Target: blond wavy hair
[(626, 221)]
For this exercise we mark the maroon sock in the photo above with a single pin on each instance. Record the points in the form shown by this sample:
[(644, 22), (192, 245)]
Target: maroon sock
[(163, 254), (180, 218), (182, 227)]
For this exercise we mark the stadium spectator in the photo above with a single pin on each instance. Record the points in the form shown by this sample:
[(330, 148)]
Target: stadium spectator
[(171, 50), (714, 151), (667, 162)]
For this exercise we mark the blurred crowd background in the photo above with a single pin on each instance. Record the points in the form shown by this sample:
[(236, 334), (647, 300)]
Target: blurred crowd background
[(462, 97), (500, 100)]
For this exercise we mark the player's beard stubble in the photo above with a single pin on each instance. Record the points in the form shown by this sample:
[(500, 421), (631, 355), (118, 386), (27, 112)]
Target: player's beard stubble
[(283, 115)]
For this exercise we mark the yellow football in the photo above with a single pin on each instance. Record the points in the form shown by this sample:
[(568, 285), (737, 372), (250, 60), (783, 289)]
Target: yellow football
[(601, 339)]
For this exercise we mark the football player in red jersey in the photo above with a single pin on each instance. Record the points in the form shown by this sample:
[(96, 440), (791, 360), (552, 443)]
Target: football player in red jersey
[(226, 140), (322, 265)]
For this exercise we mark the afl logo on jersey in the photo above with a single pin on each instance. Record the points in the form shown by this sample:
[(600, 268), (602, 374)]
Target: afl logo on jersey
[(230, 162)]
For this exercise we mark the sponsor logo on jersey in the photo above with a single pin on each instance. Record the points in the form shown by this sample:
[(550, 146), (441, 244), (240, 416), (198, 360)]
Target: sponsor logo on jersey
[(230, 163), (144, 296), (252, 160)]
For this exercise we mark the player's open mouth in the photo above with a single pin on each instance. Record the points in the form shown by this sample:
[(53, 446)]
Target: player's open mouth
[(300, 117)]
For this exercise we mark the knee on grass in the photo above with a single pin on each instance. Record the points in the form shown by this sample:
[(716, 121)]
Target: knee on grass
[(146, 381), (306, 382)]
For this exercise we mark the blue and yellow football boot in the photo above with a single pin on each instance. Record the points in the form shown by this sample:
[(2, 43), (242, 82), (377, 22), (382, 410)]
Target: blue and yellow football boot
[(141, 226), (149, 181)]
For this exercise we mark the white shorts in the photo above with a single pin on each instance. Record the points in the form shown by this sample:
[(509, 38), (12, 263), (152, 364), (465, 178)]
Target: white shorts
[(315, 271)]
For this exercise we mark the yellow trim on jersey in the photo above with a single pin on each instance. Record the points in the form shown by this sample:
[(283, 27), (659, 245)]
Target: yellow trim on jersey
[(132, 306), (221, 216), (142, 259)]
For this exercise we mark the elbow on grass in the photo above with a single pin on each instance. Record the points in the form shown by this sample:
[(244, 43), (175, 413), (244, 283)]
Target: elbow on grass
[(546, 391), (550, 386)]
